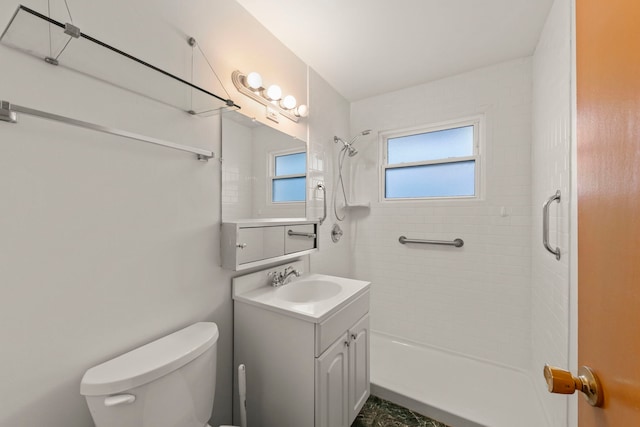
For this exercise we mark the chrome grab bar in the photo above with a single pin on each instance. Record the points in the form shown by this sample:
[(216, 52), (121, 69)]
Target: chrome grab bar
[(458, 243), (545, 225), (296, 233), (321, 186)]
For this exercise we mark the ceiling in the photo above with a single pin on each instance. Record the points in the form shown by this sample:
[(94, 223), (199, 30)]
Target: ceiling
[(367, 47)]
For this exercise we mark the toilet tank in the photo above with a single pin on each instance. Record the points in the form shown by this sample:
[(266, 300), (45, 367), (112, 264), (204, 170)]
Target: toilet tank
[(169, 382)]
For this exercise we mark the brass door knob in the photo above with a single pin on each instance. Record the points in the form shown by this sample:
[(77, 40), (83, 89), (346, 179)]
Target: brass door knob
[(562, 382)]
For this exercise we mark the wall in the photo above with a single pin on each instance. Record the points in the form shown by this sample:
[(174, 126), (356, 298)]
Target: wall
[(109, 243), (237, 182), (551, 171), (329, 116), (474, 300)]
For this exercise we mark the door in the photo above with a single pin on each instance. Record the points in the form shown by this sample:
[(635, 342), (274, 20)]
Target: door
[(608, 121), (359, 386), (332, 384)]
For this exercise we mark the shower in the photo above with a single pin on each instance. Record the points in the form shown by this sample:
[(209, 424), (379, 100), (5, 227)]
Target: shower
[(347, 149)]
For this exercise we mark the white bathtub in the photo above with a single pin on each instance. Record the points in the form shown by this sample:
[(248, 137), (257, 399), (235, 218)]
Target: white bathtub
[(454, 389)]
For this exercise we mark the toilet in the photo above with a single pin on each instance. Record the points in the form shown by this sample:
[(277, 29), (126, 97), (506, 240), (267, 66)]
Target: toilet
[(169, 382)]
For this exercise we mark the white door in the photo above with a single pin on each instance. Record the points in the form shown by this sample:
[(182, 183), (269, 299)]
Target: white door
[(332, 384), (359, 388)]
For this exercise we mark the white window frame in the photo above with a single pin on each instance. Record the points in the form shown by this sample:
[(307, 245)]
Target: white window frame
[(271, 167), (478, 123)]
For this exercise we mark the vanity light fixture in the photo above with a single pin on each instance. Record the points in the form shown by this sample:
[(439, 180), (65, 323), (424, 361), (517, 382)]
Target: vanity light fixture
[(252, 86), (254, 81)]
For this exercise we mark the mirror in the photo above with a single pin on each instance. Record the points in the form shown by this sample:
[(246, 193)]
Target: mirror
[(264, 171)]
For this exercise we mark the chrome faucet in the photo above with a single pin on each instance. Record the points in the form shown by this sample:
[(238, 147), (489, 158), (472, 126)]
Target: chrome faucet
[(282, 278)]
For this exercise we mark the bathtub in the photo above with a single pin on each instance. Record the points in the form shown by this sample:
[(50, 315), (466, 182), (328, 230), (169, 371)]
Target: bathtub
[(457, 390)]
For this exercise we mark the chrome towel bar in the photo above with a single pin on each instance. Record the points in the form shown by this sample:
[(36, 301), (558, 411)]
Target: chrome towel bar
[(458, 243), (8, 113), (545, 225)]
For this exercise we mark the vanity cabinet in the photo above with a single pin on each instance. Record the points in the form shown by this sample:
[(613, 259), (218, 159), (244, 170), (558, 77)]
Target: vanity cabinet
[(342, 377), (303, 373), (252, 243)]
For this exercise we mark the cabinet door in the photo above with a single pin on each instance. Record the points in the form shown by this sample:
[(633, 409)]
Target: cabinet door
[(258, 243), (332, 383), (359, 386)]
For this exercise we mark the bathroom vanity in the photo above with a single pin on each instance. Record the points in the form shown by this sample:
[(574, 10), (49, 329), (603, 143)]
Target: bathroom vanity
[(305, 345)]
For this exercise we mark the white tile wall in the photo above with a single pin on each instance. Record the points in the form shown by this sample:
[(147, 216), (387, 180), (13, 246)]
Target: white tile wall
[(474, 300), (237, 175), (551, 162), (329, 116)]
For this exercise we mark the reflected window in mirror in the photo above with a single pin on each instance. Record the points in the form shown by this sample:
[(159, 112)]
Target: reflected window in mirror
[(288, 177), (249, 148)]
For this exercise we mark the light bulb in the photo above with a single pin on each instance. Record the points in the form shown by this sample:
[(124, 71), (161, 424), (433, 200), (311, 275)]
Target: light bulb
[(254, 80), (288, 102), (302, 111), (274, 93)]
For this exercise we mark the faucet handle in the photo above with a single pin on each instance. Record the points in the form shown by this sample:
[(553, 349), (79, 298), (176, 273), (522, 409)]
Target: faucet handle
[(275, 277)]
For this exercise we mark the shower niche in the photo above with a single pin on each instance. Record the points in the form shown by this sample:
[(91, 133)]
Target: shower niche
[(264, 195)]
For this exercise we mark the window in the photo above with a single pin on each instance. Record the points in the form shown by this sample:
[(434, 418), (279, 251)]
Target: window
[(288, 177), (433, 162)]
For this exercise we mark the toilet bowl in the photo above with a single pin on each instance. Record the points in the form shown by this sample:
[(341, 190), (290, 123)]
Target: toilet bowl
[(169, 382)]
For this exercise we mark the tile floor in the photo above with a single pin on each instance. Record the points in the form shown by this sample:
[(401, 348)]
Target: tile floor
[(381, 413)]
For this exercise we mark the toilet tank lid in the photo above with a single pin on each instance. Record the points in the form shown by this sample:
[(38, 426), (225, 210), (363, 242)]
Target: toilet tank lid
[(149, 362)]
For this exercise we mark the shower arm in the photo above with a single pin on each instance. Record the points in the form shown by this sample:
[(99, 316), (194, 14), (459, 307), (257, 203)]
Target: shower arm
[(321, 186)]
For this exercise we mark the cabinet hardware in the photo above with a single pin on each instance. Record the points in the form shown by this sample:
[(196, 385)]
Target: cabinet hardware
[(296, 233)]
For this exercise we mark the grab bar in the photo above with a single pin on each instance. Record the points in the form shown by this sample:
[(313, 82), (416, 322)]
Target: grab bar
[(458, 243), (321, 186), (297, 233), (545, 225)]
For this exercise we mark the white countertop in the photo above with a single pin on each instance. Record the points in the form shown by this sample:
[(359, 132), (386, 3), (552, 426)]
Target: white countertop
[(267, 297)]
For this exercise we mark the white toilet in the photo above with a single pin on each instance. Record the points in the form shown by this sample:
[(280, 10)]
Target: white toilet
[(166, 383)]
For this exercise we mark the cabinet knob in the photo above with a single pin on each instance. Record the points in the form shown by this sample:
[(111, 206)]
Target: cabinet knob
[(241, 245), (354, 336), (346, 343)]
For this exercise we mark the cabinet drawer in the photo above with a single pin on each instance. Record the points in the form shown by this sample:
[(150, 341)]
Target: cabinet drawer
[(332, 328), (261, 243), (297, 243)]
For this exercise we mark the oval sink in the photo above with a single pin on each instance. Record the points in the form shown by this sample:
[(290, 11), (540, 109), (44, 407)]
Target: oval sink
[(308, 291)]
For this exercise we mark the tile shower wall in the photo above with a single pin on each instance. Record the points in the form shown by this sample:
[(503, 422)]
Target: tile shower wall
[(474, 300), (329, 117), (551, 160)]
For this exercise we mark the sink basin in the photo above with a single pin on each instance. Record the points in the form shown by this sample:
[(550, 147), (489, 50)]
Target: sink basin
[(307, 291)]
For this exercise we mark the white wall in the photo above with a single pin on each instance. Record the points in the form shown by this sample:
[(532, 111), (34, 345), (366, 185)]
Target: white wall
[(329, 116), (237, 178), (474, 300), (551, 171), (109, 243)]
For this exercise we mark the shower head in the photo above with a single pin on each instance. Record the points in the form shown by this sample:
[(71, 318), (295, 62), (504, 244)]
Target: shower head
[(348, 145)]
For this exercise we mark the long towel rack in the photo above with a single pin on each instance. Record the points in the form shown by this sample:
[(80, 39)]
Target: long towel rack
[(8, 113), (458, 243)]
